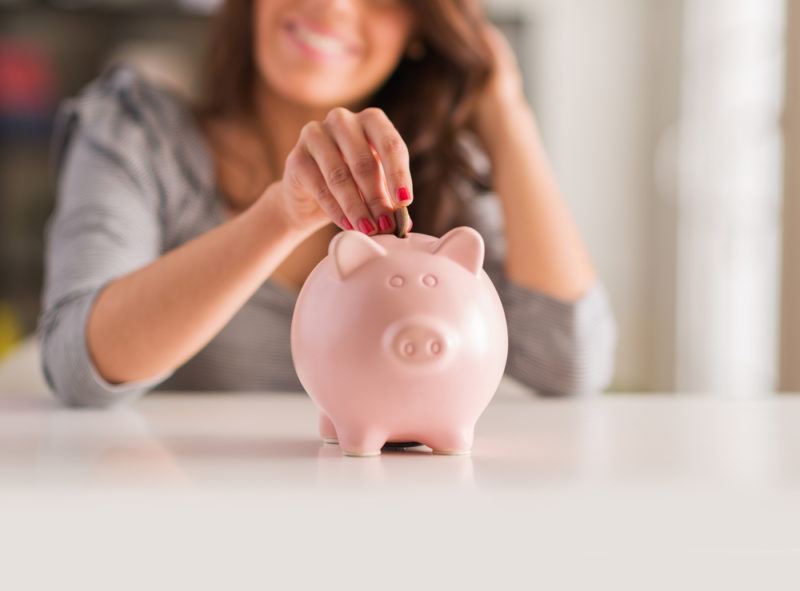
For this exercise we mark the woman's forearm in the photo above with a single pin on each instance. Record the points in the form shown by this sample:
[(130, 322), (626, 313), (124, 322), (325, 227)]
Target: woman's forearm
[(545, 249), (156, 318)]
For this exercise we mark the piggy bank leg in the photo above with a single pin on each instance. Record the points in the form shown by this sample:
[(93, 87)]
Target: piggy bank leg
[(451, 441), (326, 429), (360, 441)]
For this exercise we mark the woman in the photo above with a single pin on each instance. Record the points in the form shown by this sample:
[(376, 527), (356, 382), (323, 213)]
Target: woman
[(182, 235)]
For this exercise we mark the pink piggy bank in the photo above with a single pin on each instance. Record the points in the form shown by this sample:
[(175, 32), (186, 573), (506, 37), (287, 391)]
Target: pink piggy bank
[(400, 340)]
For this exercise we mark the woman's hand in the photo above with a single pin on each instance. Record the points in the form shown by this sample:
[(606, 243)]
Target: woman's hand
[(351, 168), (502, 99), (544, 249)]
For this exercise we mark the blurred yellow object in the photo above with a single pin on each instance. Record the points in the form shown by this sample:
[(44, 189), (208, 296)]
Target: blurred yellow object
[(10, 331)]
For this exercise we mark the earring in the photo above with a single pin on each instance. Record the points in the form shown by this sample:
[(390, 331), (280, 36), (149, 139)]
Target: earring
[(416, 50)]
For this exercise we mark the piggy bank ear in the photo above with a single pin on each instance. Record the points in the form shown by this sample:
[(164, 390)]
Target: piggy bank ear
[(349, 250), (464, 246)]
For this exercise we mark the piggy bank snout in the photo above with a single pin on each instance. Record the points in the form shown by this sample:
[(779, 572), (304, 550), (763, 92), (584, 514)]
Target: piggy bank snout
[(420, 341)]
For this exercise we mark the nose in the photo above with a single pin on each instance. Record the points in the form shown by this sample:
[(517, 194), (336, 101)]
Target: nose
[(420, 343)]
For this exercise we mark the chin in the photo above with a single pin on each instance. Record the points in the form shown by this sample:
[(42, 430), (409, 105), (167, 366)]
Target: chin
[(318, 94)]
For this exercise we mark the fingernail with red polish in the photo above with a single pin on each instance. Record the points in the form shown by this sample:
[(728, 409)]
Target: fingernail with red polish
[(346, 224), (366, 226), (403, 195), (384, 223)]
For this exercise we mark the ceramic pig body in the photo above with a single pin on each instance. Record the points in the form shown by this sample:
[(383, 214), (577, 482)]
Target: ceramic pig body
[(400, 339)]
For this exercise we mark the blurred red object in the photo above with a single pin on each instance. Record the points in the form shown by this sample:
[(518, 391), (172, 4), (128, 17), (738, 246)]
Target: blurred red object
[(27, 80)]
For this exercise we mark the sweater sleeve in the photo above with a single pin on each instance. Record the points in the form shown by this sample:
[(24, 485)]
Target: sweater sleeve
[(555, 347), (105, 224), (558, 347)]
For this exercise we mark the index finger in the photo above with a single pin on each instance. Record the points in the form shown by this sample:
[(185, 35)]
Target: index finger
[(392, 152)]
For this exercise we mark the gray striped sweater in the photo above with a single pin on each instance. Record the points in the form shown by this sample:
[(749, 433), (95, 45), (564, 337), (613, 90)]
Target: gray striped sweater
[(135, 179)]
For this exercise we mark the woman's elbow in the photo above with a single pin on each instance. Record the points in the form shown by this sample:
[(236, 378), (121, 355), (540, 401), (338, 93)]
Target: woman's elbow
[(586, 374), (580, 362), (72, 383)]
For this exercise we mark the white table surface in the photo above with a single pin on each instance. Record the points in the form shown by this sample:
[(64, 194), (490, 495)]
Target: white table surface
[(231, 490)]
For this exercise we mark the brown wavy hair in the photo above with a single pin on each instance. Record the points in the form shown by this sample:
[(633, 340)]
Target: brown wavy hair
[(428, 97)]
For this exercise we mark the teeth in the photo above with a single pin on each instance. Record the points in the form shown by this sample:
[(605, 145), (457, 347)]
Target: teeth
[(322, 43)]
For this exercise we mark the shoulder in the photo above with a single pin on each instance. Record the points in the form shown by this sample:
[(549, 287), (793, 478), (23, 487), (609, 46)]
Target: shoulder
[(123, 111)]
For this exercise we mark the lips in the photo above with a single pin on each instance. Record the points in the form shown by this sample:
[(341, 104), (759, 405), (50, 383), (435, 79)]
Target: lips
[(317, 43)]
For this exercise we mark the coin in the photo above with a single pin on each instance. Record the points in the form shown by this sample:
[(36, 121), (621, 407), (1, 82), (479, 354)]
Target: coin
[(401, 220)]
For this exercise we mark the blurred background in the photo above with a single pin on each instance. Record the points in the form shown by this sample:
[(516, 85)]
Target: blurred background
[(671, 125)]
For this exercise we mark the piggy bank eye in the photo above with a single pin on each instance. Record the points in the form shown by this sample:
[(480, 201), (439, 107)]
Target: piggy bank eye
[(396, 281), (429, 280)]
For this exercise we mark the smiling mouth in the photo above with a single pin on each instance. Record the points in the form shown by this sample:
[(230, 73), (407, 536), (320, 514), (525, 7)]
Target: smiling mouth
[(319, 44)]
